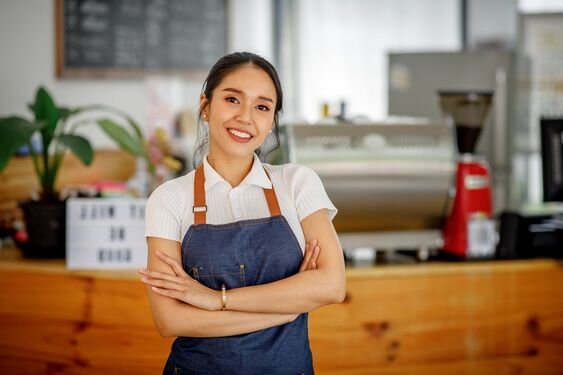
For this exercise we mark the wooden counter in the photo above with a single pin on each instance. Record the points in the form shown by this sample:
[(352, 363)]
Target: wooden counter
[(447, 318)]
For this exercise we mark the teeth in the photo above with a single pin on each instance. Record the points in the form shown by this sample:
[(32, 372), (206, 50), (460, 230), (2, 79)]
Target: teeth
[(239, 133)]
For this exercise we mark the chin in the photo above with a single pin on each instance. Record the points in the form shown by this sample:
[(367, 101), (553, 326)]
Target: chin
[(242, 151)]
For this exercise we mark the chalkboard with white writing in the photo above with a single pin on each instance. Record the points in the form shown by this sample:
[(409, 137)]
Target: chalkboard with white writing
[(136, 37)]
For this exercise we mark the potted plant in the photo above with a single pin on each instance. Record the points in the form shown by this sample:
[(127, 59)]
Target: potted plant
[(54, 128)]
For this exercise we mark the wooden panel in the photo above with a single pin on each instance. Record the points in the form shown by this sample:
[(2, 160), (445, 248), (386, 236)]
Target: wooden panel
[(501, 366), (481, 318), (495, 320), (75, 324)]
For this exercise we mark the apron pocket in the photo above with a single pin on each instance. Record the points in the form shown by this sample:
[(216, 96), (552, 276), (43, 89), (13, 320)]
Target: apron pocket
[(214, 277)]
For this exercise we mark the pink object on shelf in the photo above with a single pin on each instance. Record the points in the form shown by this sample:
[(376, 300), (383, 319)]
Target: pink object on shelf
[(111, 186)]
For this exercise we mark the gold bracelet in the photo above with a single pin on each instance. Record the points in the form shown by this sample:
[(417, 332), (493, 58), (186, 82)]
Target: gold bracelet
[(224, 298)]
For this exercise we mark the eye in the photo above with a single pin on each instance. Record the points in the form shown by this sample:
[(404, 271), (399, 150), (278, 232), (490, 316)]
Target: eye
[(262, 107), (232, 99)]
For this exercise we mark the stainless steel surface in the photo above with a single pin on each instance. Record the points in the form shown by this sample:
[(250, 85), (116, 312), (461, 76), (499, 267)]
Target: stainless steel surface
[(426, 72), (421, 239), (381, 177), (501, 151)]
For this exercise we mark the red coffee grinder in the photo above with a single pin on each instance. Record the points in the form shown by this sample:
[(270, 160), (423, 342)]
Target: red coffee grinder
[(469, 231)]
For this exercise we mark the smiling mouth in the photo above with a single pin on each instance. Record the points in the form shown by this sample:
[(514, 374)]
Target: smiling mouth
[(240, 134)]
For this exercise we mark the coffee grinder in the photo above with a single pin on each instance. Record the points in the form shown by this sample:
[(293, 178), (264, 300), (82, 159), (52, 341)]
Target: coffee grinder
[(469, 231)]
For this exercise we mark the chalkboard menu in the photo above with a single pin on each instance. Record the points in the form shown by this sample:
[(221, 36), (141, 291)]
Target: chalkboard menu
[(133, 37)]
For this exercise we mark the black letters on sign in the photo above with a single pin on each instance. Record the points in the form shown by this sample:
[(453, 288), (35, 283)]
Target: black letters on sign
[(135, 37)]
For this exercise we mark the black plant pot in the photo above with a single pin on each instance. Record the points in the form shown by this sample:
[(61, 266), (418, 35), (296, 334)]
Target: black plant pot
[(45, 225)]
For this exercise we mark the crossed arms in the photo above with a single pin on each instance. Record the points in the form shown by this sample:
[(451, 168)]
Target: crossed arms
[(183, 307)]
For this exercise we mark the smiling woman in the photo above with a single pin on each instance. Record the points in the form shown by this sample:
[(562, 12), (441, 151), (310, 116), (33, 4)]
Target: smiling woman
[(243, 111), (235, 260), (244, 82)]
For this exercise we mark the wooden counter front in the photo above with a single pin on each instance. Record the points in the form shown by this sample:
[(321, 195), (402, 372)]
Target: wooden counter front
[(461, 318)]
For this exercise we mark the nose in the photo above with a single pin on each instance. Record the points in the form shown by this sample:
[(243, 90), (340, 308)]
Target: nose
[(245, 114)]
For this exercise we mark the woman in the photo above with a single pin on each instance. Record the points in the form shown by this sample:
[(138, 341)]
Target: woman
[(234, 259)]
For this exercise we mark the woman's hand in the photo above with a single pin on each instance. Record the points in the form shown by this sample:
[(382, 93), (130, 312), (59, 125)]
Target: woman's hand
[(310, 257), (181, 286)]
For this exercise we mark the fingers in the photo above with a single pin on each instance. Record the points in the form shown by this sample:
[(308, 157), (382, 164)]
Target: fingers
[(314, 257), (163, 284), (165, 280), (168, 293), (306, 258), (176, 266), (157, 275), (310, 257)]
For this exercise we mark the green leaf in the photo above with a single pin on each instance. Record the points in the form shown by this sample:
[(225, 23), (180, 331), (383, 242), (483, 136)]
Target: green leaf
[(45, 110), (129, 119), (79, 146), (65, 113), (125, 140), (14, 133), (135, 127)]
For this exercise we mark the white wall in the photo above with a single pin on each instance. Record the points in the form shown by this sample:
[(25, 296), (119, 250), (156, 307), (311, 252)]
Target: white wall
[(251, 27), (27, 40), (540, 6), (342, 46), (492, 22)]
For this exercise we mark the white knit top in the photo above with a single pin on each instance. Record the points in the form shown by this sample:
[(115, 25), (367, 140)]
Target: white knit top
[(299, 190)]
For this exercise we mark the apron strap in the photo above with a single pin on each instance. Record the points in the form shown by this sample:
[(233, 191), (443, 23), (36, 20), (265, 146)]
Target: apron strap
[(199, 208), (272, 200)]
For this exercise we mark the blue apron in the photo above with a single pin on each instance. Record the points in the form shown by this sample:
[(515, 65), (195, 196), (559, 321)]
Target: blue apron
[(239, 254)]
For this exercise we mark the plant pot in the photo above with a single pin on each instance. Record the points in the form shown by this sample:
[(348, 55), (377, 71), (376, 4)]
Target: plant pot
[(46, 229)]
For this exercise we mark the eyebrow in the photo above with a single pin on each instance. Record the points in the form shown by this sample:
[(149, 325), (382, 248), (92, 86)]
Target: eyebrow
[(240, 92)]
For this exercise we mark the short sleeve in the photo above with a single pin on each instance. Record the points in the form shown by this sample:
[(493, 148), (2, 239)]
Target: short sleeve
[(309, 193), (162, 216)]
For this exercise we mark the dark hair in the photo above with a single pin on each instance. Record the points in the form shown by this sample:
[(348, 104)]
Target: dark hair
[(222, 68)]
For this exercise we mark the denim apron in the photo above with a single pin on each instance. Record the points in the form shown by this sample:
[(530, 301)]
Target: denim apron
[(239, 254)]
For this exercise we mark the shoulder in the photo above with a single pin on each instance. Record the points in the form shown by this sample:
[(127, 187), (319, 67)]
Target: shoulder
[(304, 188), (298, 182), (173, 191), (292, 175), (166, 208)]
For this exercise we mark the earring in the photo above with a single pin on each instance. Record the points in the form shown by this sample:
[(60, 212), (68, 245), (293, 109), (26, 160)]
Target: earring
[(205, 116), (270, 131)]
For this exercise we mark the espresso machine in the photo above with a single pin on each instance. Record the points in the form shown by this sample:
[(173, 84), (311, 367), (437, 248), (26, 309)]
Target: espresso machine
[(469, 231), (388, 179)]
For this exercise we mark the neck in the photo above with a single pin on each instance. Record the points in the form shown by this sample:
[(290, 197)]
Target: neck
[(232, 170)]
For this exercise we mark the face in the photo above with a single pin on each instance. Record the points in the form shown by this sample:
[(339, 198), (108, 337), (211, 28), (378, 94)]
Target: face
[(241, 113)]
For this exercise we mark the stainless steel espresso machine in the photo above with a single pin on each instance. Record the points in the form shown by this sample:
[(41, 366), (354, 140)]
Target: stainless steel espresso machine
[(389, 181)]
